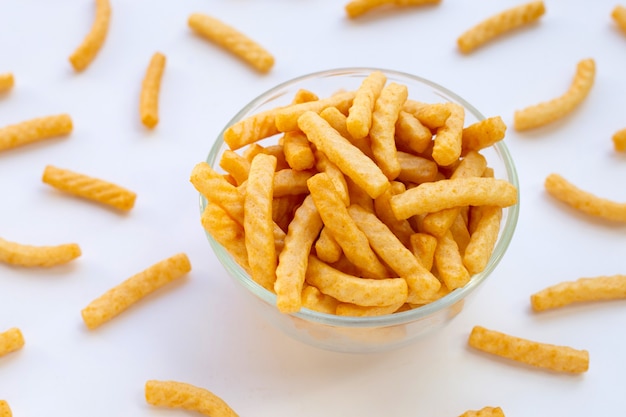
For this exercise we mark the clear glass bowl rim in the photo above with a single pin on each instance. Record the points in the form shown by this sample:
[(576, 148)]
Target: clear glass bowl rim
[(377, 321)]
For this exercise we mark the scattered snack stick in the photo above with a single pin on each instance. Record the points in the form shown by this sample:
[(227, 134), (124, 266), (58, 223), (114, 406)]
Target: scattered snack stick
[(34, 130), (89, 188), (150, 87), (356, 8), (124, 295), (6, 82), (543, 113), (498, 24), (588, 203), (32, 256), (619, 16), (582, 290), (5, 410), (484, 412), (232, 40), (541, 355), (11, 340), (176, 394), (619, 140), (89, 48), (359, 119)]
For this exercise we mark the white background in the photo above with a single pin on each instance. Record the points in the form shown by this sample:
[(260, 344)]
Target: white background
[(201, 330)]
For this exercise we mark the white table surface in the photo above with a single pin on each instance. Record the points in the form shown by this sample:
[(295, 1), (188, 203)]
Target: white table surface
[(201, 330)]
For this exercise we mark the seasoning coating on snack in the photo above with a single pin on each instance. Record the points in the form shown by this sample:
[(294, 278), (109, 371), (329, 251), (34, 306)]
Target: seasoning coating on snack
[(599, 288), (86, 52), (35, 130)]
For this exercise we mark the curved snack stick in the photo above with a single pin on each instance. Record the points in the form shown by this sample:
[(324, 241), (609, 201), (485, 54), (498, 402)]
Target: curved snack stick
[(434, 196), (619, 16), (6, 82), (89, 188), (360, 113), (89, 48), (10, 341), (251, 129), (5, 410), (447, 258), (33, 256), (542, 355), (448, 142), (150, 87), (498, 24), (287, 118), (549, 111), (582, 290), (619, 140), (483, 239), (121, 297), (227, 232), (483, 134), (561, 189), (356, 8), (232, 40), (366, 292), (186, 396), (34, 130), (484, 412)]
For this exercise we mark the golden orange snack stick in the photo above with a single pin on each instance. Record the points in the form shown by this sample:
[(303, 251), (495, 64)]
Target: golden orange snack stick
[(315, 300), (34, 130), (449, 262), (251, 129), (359, 119), (549, 111), (121, 297), (484, 412), (483, 134), (326, 247), (474, 191), (619, 140), (582, 290), (176, 394), (619, 16), (448, 141), (236, 165), (483, 239), (498, 24), (232, 40), (5, 410), (91, 45), (11, 340), (542, 355), (216, 189), (150, 88), (563, 190), (226, 231), (43, 256), (356, 8), (89, 188), (287, 118), (7, 81)]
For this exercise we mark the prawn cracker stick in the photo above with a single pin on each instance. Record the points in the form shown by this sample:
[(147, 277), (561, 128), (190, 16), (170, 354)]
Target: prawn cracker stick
[(293, 259), (542, 355), (7, 81), (150, 87), (91, 45), (232, 40), (119, 298), (619, 16), (367, 292), (5, 410), (483, 134), (226, 231), (447, 193), (34, 130), (176, 394), (251, 129), (484, 412), (360, 113), (449, 262), (235, 165), (448, 142), (547, 112), (216, 189), (258, 223), (423, 247), (619, 140), (337, 220), (483, 239), (582, 290), (411, 133), (584, 201), (498, 24), (355, 310), (89, 188), (431, 115), (11, 340), (315, 300), (394, 253), (348, 158), (356, 8), (291, 182), (326, 247), (42, 256), (382, 133), (287, 118), (298, 152)]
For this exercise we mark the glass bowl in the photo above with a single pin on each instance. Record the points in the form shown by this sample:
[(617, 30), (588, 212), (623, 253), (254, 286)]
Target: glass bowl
[(366, 334)]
